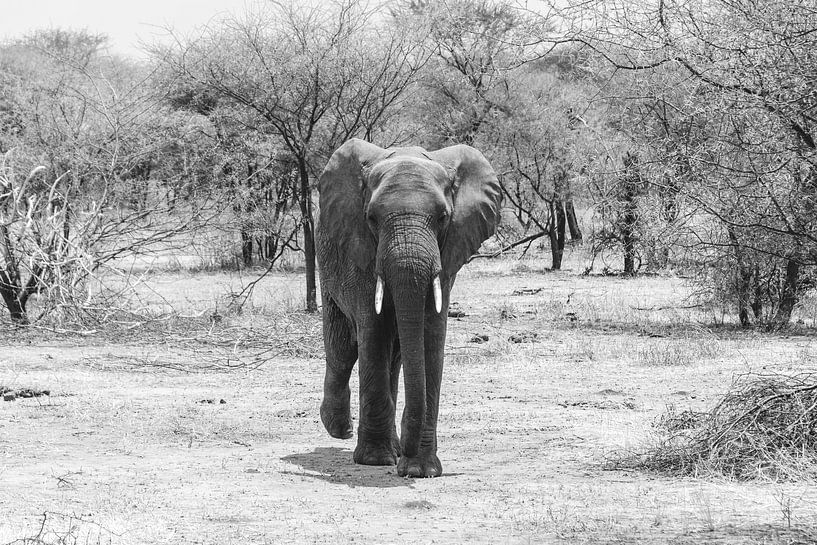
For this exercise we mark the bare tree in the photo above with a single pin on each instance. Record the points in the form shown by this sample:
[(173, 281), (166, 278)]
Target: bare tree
[(535, 179), (474, 46), (720, 99), (310, 76), (535, 149), (481, 89), (79, 133)]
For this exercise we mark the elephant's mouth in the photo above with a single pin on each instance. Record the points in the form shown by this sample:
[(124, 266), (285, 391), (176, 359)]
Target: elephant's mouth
[(435, 285)]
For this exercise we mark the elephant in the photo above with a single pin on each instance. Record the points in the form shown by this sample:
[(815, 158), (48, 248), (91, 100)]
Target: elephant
[(395, 227)]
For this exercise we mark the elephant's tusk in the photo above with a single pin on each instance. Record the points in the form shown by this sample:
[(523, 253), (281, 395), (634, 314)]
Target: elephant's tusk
[(378, 295), (438, 294)]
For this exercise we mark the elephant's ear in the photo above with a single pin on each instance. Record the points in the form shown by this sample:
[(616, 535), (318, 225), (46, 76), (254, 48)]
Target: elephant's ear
[(342, 200), (477, 200)]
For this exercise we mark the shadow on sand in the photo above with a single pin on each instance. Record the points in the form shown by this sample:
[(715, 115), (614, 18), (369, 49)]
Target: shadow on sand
[(335, 465)]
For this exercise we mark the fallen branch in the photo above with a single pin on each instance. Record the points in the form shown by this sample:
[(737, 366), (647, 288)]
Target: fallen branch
[(240, 298), (669, 307), (510, 246)]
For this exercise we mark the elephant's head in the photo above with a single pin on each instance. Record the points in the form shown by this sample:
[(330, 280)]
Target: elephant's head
[(409, 219)]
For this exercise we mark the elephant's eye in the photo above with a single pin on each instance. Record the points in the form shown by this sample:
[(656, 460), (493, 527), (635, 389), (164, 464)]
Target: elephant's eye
[(443, 217)]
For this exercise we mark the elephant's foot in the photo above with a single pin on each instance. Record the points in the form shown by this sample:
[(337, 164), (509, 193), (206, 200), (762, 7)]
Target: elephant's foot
[(336, 420), (422, 465), (377, 452)]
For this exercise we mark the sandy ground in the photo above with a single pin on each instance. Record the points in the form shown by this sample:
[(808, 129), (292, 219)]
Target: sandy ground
[(200, 432)]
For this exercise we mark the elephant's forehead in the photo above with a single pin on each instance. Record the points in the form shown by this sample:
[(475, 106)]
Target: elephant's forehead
[(408, 168)]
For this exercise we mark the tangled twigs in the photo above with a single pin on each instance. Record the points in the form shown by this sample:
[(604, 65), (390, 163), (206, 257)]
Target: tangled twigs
[(284, 335), (773, 406), (217, 347), (765, 426), (68, 529)]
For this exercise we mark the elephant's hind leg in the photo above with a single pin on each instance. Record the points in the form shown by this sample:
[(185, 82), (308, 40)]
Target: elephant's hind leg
[(341, 354)]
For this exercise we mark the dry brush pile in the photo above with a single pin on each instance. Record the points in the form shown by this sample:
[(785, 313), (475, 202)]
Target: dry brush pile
[(765, 426)]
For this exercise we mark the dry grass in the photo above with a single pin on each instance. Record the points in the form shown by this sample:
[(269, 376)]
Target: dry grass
[(677, 352), (129, 441)]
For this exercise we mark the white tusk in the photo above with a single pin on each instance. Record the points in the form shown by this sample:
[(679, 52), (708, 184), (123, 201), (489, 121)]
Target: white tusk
[(438, 294), (378, 295)]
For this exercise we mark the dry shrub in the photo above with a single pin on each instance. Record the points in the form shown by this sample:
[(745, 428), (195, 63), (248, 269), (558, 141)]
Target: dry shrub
[(765, 426)]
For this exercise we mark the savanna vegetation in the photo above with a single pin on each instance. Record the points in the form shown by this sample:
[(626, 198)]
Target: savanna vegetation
[(658, 248), (666, 136)]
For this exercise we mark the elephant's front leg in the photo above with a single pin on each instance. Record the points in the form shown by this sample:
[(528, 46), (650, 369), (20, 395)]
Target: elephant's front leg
[(426, 463), (341, 354), (377, 441)]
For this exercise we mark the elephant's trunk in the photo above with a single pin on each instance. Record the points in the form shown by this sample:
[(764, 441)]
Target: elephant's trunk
[(409, 261), (410, 326)]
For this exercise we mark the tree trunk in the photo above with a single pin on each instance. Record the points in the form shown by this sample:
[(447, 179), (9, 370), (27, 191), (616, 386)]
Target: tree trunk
[(668, 193), (788, 296), (9, 292), (246, 247), (757, 299), (572, 222), (10, 281), (66, 229), (742, 282), (629, 256), (556, 232), (629, 220), (271, 246), (308, 224)]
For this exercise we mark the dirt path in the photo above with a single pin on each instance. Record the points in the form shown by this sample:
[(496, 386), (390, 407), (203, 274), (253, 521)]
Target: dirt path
[(121, 452)]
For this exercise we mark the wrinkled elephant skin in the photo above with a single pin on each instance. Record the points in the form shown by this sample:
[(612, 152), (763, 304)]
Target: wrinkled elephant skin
[(395, 227)]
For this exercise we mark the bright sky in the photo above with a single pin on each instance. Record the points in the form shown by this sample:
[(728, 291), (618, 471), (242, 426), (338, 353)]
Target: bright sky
[(126, 22)]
